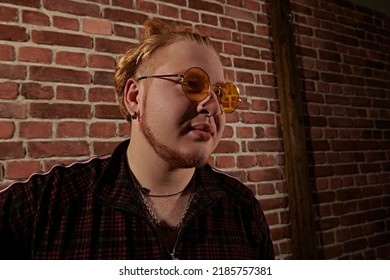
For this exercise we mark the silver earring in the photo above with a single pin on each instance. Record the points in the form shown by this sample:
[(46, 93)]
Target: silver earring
[(133, 115)]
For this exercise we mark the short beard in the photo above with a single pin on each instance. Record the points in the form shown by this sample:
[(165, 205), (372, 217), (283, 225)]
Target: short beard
[(172, 156)]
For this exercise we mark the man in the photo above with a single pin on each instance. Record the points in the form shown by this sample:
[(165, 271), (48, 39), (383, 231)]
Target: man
[(155, 197)]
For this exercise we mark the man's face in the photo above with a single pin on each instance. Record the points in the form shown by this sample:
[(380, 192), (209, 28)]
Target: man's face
[(180, 131)]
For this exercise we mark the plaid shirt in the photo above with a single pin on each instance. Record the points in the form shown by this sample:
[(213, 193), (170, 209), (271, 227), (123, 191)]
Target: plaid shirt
[(92, 210)]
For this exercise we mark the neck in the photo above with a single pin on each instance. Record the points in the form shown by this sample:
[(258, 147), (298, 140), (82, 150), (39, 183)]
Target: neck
[(154, 173)]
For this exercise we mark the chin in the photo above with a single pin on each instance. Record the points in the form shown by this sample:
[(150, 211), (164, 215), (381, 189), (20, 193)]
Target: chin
[(188, 161)]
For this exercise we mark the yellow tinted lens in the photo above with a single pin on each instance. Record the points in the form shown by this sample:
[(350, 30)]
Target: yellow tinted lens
[(230, 97), (196, 84)]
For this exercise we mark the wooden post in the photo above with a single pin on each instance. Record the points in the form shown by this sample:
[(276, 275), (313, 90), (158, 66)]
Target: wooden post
[(296, 162)]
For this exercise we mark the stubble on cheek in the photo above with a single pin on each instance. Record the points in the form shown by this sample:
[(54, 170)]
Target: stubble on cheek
[(173, 155)]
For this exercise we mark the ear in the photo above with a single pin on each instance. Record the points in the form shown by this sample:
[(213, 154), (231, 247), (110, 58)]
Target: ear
[(130, 96)]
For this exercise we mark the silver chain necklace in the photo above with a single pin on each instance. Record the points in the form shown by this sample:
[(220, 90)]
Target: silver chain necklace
[(151, 215), (153, 218)]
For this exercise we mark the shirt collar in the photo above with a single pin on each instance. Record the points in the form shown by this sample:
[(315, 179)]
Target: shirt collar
[(116, 189)]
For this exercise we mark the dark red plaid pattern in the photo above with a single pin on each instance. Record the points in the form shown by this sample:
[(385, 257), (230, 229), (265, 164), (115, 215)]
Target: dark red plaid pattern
[(92, 210)]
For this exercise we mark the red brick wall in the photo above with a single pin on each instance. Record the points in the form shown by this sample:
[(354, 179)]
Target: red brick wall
[(344, 61), (57, 102)]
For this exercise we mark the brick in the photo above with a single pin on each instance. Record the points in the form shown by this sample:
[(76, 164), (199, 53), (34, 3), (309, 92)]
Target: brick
[(60, 111), (325, 197), (269, 174), (209, 19), (268, 80), (107, 112), (21, 169), (124, 130), (254, 53), (72, 7), (232, 118), (124, 31), (36, 18), (246, 161), (145, 6), (228, 132), (102, 130), (75, 59), (97, 26), (111, 46), (265, 160), (13, 33), (35, 54), (265, 189), (13, 72), (8, 90), (66, 23), (190, 15), (214, 32), (12, 110), (120, 15), (37, 91), (260, 105), (273, 203), (265, 146), (225, 162), (240, 14), (323, 171), (103, 78), (7, 53), (70, 93), (257, 118), (317, 121), (343, 145), (71, 129), (130, 4), (245, 132), (28, 3), (256, 41), (52, 74), (44, 149), (233, 48), (333, 251), (355, 245), (245, 77), (168, 11), (104, 148), (319, 145), (246, 27), (258, 91), (7, 130), (332, 78), (61, 39), (369, 145), (340, 122), (98, 94), (8, 14), (249, 64), (201, 5), (101, 61), (11, 150), (227, 146), (31, 130)]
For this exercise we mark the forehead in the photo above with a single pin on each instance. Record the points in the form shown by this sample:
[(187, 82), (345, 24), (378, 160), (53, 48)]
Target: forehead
[(181, 55)]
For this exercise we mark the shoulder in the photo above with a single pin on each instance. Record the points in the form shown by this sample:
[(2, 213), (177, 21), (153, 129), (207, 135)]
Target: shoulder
[(237, 192), (62, 184), (66, 181)]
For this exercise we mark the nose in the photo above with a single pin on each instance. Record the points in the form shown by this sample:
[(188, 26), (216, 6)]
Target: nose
[(210, 105)]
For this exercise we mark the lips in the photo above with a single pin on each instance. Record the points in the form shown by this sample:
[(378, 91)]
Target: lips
[(203, 131)]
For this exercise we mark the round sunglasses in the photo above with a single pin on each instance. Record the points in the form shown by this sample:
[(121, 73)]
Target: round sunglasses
[(196, 87)]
